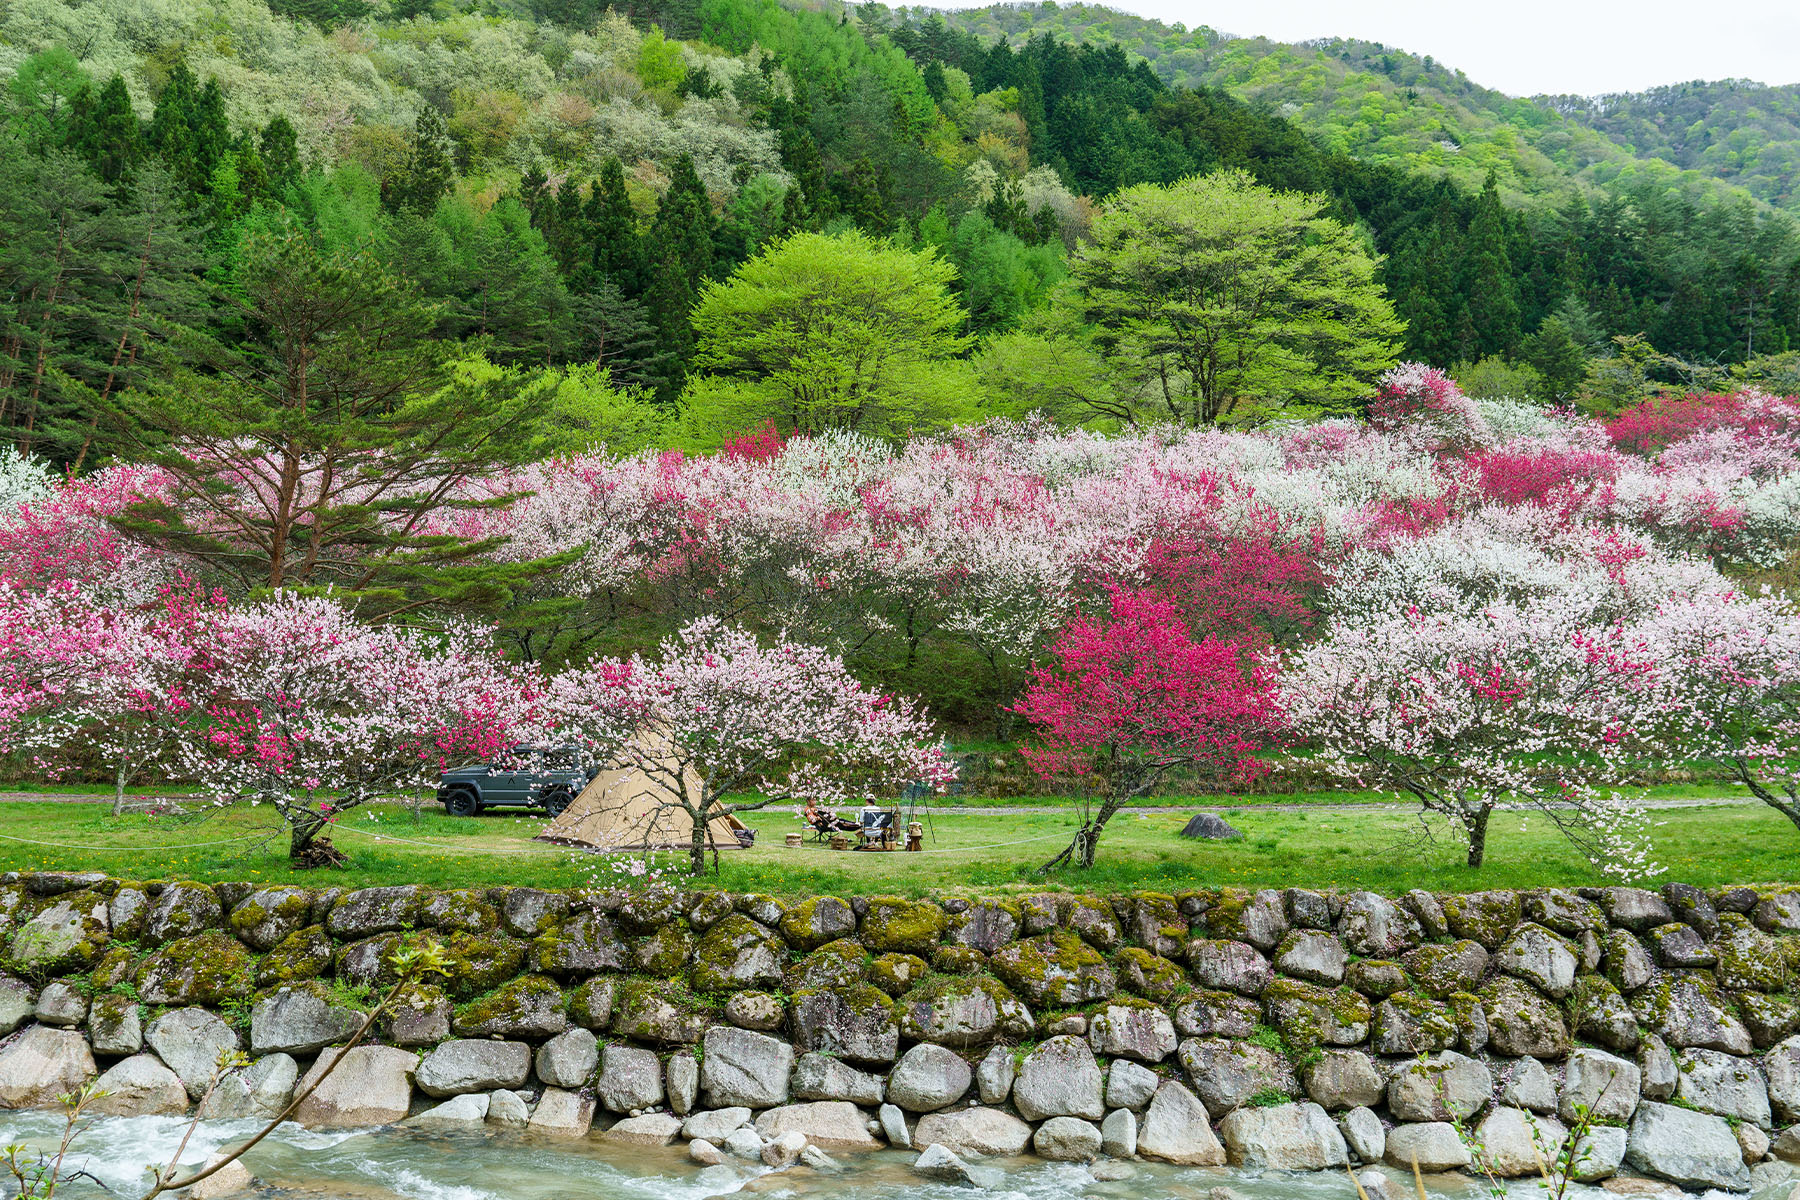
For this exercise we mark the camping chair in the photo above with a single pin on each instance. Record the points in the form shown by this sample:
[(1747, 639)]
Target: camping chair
[(877, 827)]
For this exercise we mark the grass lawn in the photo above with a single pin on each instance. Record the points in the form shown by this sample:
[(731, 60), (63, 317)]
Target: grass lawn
[(1380, 850)]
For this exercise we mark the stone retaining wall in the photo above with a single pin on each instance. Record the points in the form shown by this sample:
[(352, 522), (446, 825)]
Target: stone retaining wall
[(1277, 1029)]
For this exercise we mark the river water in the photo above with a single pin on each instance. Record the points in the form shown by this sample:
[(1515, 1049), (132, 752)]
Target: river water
[(399, 1164)]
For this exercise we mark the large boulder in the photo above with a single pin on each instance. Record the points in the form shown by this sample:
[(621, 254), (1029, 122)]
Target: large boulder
[(1067, 1139), (1229, 966), (1519, 1144), (1130, 1085), (585, 943), (191, 1041), (1782, 1068), (985, 1131), (1373, 926), (263, 1090), (1443, 970), (811, 923), (462, 1066), (1140, 1031), (985, 925), (1449, 1086), (743, 1069), (269, 916), (565, 1114), (1606, 1085), (300, 1019), (822, 1077), (1174, 1129), (939, 1163), (1060, 1078), (371, 1085), (1600, 1014), (1522, 1022), (642, 1012), (828, 1124), (964, 1012), (209, 968), (1340, 1079), (1286, 1137), (528, 912), (1721, 1084), (630, 1078), (140, 1086), (1309, 1016), (1058, 969), (1687, 1009), (369, 911), (1226, 1074), (17, 1000), (736, 954), (182, 910), (531, 1006), (1259, 918), (65, 937), (1364, 1134), (1695, 1150), (1540, 958), (115, 1026), (1485, 917), (902, 926), (927, 1078), (1433, 1146), (41, 1065), (1312, 956), (1409, 1023), (1634, 908), (568, 1059)]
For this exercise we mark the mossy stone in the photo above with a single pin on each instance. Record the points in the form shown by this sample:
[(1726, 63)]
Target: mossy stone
[(896, 974), (738, 953), (585, 943), (209, 968), (480, 962), (1150, 975), (465, 909), (656, 1011), (958, 960), (902, 926), (842, 963), (1308, 1015), (1485, 917), (266, 917), (813, 922), (1095, 922), (964, 1013), (707, 909), (531, 1006), (649, 910), (1408, 1023), (1058, 969), (591, 1002), (666, 951), (63, 938), (117, 965), (304, 954), (857, 1023), (1749, 959)]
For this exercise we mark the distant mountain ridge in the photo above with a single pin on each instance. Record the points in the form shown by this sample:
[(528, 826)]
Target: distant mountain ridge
[(1383, 104)]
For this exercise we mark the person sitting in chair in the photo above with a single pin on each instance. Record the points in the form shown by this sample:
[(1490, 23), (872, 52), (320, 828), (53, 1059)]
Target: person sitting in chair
[(826, 822)]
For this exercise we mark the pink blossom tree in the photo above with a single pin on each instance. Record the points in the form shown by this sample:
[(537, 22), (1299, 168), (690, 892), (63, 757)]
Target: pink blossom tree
[(755, 725), (313, 713), (1132, 695), (1424, 406)]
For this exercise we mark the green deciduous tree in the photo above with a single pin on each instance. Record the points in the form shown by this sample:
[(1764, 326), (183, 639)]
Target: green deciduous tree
[(831, 332), (1223, 300)]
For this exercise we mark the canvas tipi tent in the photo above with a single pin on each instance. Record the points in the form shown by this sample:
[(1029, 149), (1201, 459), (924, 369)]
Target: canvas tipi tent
[(623, 809)]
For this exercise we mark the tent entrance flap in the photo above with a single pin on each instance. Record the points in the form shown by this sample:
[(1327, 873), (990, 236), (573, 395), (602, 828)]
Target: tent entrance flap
[(623, 809)]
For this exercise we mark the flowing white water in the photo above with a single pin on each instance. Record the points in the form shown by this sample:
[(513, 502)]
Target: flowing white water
[(399, 1164)]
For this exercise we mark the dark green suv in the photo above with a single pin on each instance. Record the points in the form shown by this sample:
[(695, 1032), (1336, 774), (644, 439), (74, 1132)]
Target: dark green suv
[(542, 777)]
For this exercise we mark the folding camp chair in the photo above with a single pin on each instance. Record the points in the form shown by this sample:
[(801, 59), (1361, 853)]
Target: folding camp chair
[(877, 828)]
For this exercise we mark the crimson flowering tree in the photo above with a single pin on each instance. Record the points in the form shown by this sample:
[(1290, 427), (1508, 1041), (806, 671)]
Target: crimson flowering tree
[(1662, 422), (1465, 710), (1132, 695), (313, 713), (1424, 406), (754, 725)]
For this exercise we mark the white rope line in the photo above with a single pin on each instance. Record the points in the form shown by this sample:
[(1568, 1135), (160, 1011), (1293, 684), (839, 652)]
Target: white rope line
[(133, 849)]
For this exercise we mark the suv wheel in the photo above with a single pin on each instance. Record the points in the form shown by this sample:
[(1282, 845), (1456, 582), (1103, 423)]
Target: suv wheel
[(555, 800), (462, 803)]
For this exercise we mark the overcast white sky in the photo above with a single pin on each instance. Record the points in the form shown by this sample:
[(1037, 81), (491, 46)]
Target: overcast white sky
[(1525, 47)]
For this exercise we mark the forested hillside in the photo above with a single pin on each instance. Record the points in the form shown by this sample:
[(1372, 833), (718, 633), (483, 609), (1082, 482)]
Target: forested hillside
[(560, 204)]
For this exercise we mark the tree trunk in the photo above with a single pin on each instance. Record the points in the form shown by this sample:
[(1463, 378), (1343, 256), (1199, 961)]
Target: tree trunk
[(697, 846), (1475, 824), (119, 786), (1788, 807), (1086, 844), (308, 846)]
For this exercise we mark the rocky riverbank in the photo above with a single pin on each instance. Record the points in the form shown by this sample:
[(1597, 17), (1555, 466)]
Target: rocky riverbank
[(1273, 1030)]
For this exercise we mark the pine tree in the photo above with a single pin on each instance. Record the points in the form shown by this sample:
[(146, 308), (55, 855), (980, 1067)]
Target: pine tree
[(107, 133), (612, 225), (682, 232), (171, 135), (280, 148), (1489, 289), (430, 171)]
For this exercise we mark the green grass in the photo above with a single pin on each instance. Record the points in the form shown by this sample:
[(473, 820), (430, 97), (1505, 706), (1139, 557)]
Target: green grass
[(1323, 797), (1380, 850)]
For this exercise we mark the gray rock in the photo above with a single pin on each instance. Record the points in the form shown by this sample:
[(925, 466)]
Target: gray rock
[(565, 1114), (963, 1013), (1375, 927), (1429, 911), (1443, 970), (1680, 946), (994, 1075), (1229, 966), (1528, 1085), (568, 1059), (375, 910), (743, 1143), (1376, 1186), (1060, 1078), (1687, 1010), (939, 1164), (61, 1005), (630, 1078), (140, 1086), (709, 1155), (1411, 1024), (1312, 956), (1286, 1137), (831, 1124), (1764, 1176), (458, 1112), (1519, 1144), (1723, 1085), (1364, 1134), (507, 1110), (1226, 1074), (985, 1131), (128, 912), (585, 943), (1635, 908), (1539, 957), (892, 1119), (1656, 1067), (1217, 1014), (649, 1129), (468, 1065), (41, 1065), (1522, 1022), (819, 1161), (1111, 1171), (420, 1017), (1601, 1014), (263, 1090), (1782, 1069), (182, 910), (190, 1042), (1132, 1031), (821, 1077), (269, 915), (1433, 1145), (986, 927), (1340, 1079), (528, 912), (856, 1023), (1626, 963), (755, 1010), (61, 939), (1436, 1089), (683, 1074), (1753, 1142), (714, 1125), (928, 1077), (1210, 826), (1118, 1133), (783, 1151), (1695, 1150), (1600, 1153), (1174, 1129), (744, 1068), (299, 1020), (17, 1003), (1130, 1085), (1607, 1085), (115, 1026), (1779, 913), (371, 1085), (1067, 1139)]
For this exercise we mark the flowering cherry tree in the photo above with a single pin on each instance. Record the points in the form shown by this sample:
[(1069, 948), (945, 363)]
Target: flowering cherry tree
[(1424, 405), (312, 712), (1467, 710), (755, 725), (1132, 695)]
